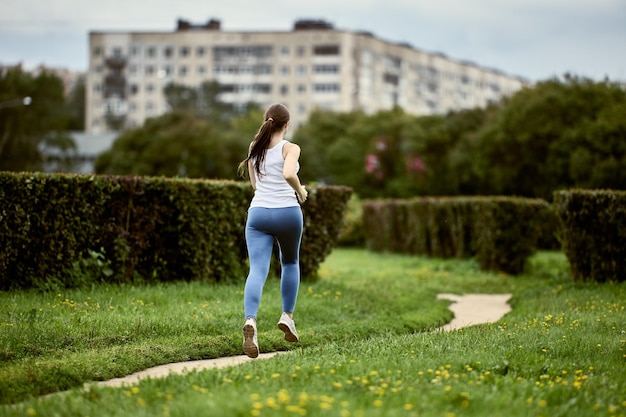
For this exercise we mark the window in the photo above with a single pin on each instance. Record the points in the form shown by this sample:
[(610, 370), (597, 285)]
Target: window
[(326, 88), (150, 88), (168, 52), (326, 50), (149, 70), (301, 51), (134, 50), (326, 69), (97, 51), (301, 70), (132, 70), (284, 70), (117, 52), (242, 51), (262, 88), (182, 71), (262, 69), (201, 70), (184, 51), (284, 51), (392, 79), (284, 89), (151, 52), (134, 89), (200, 51), (166, 71), (301, 88)]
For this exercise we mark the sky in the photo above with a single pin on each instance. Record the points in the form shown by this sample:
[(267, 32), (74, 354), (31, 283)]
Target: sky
[(531, 39)]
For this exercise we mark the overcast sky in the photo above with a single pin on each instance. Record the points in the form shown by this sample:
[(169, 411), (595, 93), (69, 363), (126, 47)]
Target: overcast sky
[(533, 39)]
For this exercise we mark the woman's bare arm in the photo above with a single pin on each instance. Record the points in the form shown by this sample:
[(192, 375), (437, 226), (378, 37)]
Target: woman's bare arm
[(292, 154)]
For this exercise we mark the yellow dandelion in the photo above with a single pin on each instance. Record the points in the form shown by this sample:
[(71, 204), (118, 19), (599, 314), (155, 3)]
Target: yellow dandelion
[(542, 403), (408, 406), (378, 403), (275, 376), (31, 411), (283, 396), (134, 390)]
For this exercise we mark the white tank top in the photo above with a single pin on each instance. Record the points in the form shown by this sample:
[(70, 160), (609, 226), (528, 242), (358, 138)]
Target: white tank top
[(272, 190)]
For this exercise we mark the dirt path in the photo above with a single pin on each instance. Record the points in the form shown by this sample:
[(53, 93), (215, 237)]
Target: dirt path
[(469, 310)]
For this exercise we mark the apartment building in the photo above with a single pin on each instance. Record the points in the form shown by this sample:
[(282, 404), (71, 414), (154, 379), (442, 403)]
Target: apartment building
[(312, 66)]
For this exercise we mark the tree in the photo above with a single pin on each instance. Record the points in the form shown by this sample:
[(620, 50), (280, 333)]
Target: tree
[(33, 115), (76, 104), (175, 144), (539, 133)]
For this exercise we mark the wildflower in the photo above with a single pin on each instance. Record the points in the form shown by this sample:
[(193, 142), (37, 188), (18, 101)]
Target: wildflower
[(31, 411), (378, 403), (283, 396)]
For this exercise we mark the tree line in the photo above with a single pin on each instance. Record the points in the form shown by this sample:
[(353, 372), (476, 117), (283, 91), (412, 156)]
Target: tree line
[(567, 132), (557, 134)]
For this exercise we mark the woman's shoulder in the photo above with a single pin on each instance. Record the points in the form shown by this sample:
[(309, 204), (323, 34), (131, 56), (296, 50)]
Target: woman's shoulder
[(290, 147)]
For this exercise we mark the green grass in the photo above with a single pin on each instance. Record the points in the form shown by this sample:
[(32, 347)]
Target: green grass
[(367, 347)]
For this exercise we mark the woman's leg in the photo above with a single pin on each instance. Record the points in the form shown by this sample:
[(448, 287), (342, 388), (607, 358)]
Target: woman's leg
[(260, 244), (289, 236)]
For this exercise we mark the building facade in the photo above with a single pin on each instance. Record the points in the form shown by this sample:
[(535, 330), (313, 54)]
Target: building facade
[(312, 66)]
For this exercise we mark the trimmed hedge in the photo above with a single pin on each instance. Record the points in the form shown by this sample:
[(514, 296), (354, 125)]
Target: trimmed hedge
[(501, 232), (67, 230), (593, 233)]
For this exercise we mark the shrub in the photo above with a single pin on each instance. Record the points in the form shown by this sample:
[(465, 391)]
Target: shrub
[(502, 232), (593, 233), (52, 227)]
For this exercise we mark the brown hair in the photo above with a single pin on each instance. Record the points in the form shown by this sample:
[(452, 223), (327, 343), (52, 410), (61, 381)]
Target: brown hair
[(276, 117)]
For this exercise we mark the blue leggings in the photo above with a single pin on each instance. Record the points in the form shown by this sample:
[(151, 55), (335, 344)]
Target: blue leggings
[(262, 227)]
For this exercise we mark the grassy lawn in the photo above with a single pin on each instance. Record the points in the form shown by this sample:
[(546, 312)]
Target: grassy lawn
[(366, 349)]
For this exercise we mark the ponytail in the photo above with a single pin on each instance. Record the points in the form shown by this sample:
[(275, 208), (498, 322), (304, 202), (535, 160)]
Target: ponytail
[(276, 116)]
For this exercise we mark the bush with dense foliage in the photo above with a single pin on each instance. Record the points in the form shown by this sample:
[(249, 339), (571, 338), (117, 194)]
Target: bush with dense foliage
[(594, 233), (501, 232), (55, 228)]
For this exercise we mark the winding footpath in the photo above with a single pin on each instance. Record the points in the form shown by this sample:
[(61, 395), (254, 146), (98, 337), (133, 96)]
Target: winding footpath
[(468, 309)]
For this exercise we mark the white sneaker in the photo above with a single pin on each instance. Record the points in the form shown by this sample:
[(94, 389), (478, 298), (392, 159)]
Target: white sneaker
[(250, 343), (287, 325)]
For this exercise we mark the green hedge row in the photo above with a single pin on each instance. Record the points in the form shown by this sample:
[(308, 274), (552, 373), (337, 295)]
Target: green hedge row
[(502, 232), (70, 230), (594, 233)]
